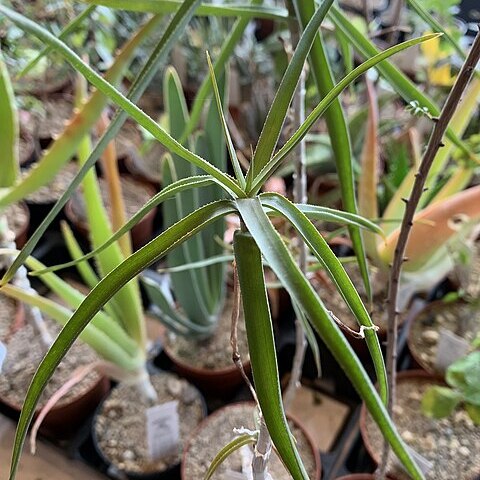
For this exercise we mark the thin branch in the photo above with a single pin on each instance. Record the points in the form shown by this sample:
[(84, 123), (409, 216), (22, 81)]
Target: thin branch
[(434, 144), (237, 360), (299, 196)]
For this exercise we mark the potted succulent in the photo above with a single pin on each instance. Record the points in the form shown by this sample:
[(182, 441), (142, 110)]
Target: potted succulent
[(118, 335), (199, 323), (257, 237), (27, 342)]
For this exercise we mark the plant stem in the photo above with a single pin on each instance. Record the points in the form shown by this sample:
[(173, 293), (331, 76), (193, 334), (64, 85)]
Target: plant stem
[(263, 448), (299, 196), (434, 144)]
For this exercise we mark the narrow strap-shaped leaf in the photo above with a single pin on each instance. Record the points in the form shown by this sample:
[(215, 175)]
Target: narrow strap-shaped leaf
[(316, 113), (316, 212), (203, 263), (227, 450), (163, 309), (82, 122), (276, 116), (9, 129), (261, 347), (157, 199), (84, 269), (199, 305), (220, 65), (310, 336), (231, 149), (338, 132), (104, 343), (436, 26), (171, 33), (283, 264), (69, 28), (105, 290), (401, 84), (335, 270), (206, 9), (196, 304), (73, 298)]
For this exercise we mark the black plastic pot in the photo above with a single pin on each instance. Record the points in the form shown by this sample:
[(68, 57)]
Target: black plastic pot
[(102, 463)]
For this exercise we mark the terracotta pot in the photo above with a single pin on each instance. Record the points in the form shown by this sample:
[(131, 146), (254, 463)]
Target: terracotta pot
[(141, 233), (375, 453), (222, 411), (171, 473), (63, 421), (222, 382)]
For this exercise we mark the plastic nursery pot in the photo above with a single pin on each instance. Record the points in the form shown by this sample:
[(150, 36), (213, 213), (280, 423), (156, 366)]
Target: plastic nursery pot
[(443, 442), (134, 415), (423, 335), (222, 382), (63, 421), (210, 432), (141, 232)]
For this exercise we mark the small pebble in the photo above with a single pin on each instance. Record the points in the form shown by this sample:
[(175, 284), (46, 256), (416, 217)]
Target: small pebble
[(430, 336)]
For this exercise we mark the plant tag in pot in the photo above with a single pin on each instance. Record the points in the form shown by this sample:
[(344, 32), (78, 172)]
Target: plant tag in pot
[(451, 347), (423, 464), (163, 430)]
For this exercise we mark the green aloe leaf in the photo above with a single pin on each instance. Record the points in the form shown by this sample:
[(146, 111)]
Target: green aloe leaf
[(103, 292), (326, 214), (143, 79), (104, 343), (9, 131), (168, 192), (231, 149), (227, 450), (204, 90), (261, 347), (401, 84), (199, 305), (424, 14), (66, 145), (169, 6), (338, 132), (281, 103), (164, 309), (335, 270), (297, 137), (284, 266)]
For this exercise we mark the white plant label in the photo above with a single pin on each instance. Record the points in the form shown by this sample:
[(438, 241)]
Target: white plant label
[(3, 354), (423, 464), (163, 430), (451, 347)]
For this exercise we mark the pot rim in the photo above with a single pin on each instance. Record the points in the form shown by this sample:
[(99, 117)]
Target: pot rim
[(220, 411)]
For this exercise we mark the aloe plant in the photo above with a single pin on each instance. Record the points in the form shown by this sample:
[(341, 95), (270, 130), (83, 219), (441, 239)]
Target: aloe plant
[(257, 241), (200, 292)]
